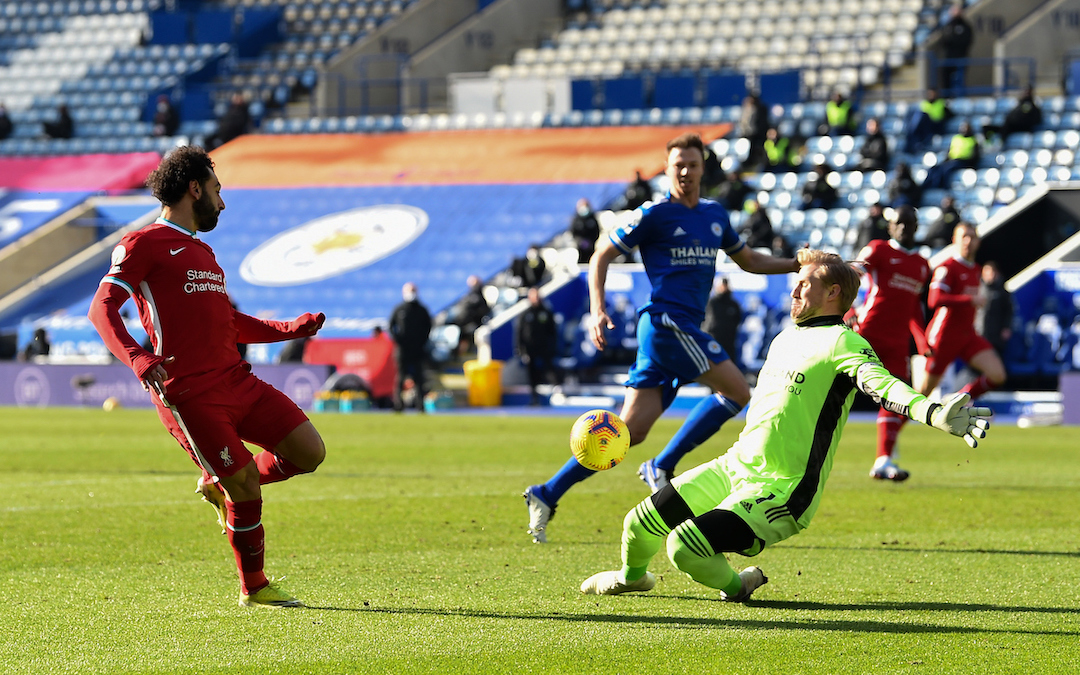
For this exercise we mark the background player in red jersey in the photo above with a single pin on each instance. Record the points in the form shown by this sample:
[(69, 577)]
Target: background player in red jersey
[(889, 317), (204, 392), (954, 297)]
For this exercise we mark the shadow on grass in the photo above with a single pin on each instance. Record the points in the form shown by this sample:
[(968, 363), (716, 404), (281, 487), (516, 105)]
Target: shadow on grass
[(786, 624), (892, 548)]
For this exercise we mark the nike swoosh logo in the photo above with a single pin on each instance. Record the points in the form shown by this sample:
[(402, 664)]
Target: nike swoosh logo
[(175, 251)]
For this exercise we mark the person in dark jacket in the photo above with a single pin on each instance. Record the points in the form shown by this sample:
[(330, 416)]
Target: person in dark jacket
[(410, 327), (903, 189), (1025, 116), (63, 126), (956, 39), (537, 335), (585, 229), (166, 118), (874, 226), (6, 125), (528, 271), (817, 193), (733, 192), (994, 319), (941, 230), (753, 126), (757, 230), (874, 154), (470, 313), (723, 316), (638, 191), (235, 122)]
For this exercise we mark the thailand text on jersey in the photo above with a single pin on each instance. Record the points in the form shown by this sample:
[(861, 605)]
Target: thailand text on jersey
[(955, 276), (897, 278), (801, 403), (678, 247), (179, 291)]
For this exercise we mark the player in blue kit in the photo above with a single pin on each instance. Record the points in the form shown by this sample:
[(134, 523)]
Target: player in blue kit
[(679, 238)]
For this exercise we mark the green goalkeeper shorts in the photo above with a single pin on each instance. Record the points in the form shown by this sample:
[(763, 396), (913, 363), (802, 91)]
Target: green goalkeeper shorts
[(759, 501)]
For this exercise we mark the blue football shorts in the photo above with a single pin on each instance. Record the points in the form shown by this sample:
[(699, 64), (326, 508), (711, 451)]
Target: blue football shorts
[(670, 354)]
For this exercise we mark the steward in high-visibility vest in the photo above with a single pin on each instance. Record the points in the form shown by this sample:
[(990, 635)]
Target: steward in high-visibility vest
[(838, 115), (780, 152), (964, 147)]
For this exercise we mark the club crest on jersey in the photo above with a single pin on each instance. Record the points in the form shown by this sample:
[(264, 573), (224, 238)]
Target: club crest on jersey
[(714, 346), (717, 229), (226, 458)]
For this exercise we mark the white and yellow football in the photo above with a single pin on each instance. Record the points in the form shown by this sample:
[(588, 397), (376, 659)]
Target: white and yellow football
[(599, 440)]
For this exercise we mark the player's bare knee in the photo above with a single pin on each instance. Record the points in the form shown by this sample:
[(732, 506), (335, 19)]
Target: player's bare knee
[(243, 485)]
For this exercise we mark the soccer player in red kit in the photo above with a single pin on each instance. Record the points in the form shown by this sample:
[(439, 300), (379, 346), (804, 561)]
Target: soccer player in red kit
[(204, 392), (954, 297), (890, 316)]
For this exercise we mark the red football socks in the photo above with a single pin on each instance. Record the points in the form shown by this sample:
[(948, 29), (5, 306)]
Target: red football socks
[(889, 425), (247, 538)]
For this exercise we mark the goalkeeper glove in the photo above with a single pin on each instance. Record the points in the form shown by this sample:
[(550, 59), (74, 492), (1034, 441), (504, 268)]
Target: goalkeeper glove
[(953, 416)]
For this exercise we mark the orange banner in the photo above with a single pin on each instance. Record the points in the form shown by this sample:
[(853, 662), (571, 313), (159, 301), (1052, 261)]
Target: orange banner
[(564, 155)]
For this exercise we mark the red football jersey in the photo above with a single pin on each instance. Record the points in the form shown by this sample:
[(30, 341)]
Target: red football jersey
[(179, 290), (955, 282), (897, 278)]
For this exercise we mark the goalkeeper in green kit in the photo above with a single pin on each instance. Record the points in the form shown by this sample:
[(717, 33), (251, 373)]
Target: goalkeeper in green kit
[(767, 487)]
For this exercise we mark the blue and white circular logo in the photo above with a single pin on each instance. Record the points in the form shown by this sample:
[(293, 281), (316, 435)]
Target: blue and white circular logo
[(717, 229), (333, 244), (714, 346), (301, 386)]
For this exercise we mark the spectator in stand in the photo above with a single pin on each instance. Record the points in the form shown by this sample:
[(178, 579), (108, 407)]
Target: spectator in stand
[(926, 121), (757, 230), (585, 230), (875, 226), (38, 345), (956, 39), (874, 154), (537, 335), (781, 247), (780, 152), (733, 192), (235, 122), (6, 125), (1025, 116), (941, 230), (754, 126), (964, 153), (994, 319), (63, 126), (410, 328), (723, 316), (817, 193), (714, 173), (839, 117), (903, 189), (638, 192), (529, 271), (470, 313), (166, 118)]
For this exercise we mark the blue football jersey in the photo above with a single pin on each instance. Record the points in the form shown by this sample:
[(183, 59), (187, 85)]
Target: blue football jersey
[(679, 246)]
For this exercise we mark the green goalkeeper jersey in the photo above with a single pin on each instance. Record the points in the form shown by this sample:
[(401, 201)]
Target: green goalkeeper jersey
[(801, 403)]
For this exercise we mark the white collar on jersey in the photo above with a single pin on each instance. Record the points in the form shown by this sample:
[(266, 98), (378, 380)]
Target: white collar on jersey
[(168, 223), (897, 245), (970, 264)]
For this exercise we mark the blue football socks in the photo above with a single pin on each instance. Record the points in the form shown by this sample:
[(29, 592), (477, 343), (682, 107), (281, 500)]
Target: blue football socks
[(571, 472), (703, 421)]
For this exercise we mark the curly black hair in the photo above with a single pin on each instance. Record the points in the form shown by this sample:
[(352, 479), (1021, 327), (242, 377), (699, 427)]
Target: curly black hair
[(170, 180)]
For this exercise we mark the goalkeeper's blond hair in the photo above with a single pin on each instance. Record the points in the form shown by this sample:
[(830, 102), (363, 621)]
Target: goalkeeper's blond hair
[(833, 270)]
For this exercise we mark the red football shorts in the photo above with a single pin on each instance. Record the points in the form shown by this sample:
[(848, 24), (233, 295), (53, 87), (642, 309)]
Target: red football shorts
[(213, 425), (897, 361), (963, 348)]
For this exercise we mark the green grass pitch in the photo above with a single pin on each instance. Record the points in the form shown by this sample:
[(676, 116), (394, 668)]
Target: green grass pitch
[(409, 545)]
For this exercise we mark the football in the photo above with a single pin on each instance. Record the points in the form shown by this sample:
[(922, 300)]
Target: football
[(599, 440)]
